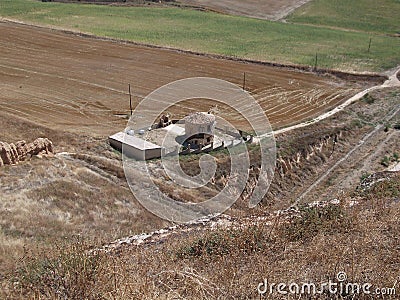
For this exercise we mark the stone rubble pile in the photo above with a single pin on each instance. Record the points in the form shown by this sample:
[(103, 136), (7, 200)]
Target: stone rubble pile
[(368, 182), (212, 222), (11, 154)]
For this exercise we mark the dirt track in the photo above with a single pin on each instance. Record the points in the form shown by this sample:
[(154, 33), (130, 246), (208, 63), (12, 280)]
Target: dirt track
[(71, 83), (270, 9), (260, 9)]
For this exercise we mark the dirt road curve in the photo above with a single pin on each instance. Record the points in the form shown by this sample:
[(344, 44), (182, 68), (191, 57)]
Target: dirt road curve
[(362, 151), (393, 81), (71, 83)]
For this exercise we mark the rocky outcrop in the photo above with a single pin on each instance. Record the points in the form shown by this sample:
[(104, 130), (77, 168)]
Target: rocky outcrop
[(11, 154), (324, 147)]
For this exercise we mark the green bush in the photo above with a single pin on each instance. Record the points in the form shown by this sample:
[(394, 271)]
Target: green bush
[(395, 156), (385, 161), (367, 98), (364, 176)]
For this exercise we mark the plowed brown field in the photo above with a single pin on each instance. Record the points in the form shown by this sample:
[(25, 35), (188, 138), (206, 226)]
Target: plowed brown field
[(72, 83)]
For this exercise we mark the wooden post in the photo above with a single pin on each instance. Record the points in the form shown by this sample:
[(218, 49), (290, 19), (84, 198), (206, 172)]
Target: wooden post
[(244, 80), (130, 99), (335, 139), (316, 60), (369, 46)]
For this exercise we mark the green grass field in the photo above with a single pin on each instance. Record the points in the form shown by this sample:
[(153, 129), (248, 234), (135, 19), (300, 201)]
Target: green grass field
[(216, 33), (381, 16)]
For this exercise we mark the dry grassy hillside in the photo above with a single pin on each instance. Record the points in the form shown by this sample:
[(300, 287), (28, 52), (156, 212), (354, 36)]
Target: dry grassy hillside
[(78, 202)]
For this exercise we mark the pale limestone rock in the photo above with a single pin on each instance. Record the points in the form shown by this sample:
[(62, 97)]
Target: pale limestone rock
[(11, 154)]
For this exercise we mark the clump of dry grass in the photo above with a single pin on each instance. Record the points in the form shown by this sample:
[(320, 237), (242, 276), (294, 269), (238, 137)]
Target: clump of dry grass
[(329, 219), (226, 241), (67, 272)]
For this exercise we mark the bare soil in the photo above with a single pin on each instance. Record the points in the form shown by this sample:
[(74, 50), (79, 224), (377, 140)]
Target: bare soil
[(79, 85)]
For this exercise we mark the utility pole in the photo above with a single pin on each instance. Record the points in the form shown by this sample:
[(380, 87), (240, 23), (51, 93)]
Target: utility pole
[(130, 98), (244, 80)]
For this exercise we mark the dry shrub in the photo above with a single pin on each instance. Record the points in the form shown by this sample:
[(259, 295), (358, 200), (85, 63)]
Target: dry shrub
[(222, 242), (315, 220)]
